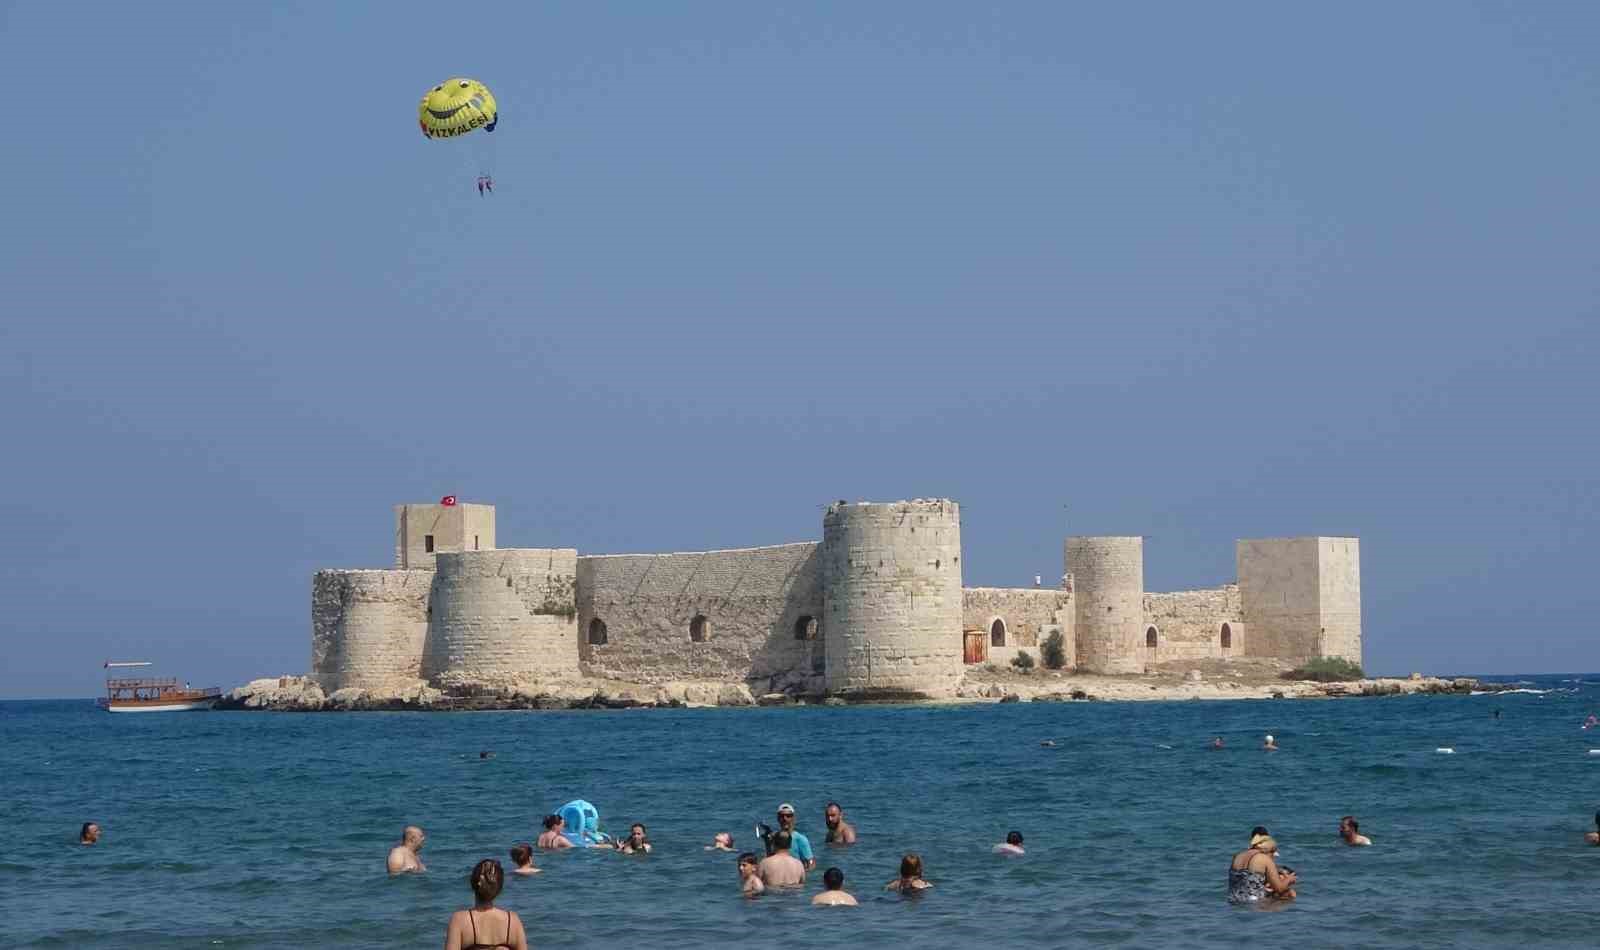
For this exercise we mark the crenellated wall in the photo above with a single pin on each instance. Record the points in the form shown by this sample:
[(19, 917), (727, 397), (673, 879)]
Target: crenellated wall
[(1189, 624), (500, 618), (757, 607), (891, 585), (368, 627)]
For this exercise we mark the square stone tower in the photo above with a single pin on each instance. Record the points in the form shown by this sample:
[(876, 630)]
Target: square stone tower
[(421, 531), (1301, 597)]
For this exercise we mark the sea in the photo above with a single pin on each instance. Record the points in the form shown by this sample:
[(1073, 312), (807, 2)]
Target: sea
[(245, 829)]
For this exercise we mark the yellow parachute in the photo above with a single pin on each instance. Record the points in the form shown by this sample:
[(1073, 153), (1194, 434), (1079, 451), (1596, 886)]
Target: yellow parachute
[(456, 107)]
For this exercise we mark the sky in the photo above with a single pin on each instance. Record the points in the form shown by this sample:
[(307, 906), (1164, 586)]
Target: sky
[(1193, 272)]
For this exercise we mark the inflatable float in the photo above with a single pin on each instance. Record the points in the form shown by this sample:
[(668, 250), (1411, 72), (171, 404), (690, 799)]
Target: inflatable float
[(582, 824)]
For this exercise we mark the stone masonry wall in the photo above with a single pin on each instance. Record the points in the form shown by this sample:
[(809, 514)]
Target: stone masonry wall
[(1280, 592), (1189, 624), (502, 618), (1339, 597), (1027, 616), (891, 579), (367, 627), (756, 604)]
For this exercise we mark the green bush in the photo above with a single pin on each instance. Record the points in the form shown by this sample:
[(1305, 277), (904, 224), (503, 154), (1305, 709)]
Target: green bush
[(1327, 669), (1023, 662), (1054, 651)]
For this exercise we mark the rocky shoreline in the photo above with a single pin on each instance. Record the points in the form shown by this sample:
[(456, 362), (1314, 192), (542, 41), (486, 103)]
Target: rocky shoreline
[(302, 694)]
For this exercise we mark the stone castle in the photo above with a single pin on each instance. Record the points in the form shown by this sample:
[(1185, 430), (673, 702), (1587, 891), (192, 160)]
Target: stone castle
[(875, 609)]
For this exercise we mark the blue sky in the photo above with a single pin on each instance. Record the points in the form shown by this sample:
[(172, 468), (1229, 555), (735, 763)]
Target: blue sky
[(1197, 272)]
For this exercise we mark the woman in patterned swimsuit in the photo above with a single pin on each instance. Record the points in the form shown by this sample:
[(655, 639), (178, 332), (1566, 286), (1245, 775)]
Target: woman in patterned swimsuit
[(1253, 874)]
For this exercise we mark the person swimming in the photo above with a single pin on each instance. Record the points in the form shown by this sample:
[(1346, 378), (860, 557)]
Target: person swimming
[(750, 883), (1012, 845), (722, 841), (554, 837), (89, 833), (1269, 744), (910, 880), (522, 860), (1593, 837)]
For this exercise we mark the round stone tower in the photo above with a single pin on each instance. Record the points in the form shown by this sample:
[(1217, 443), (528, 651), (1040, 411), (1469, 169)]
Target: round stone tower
[(499, 618), (1108, 589), (367, 628), (891, 581)]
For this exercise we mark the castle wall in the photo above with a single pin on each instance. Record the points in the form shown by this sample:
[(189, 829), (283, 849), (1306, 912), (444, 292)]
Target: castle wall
[(1027, 614), (499, 618), (891, 580), (1280, 590), (1108, 593), (1339, 597), (452, 528), (753, 600), (367, 627), (1189, 624)]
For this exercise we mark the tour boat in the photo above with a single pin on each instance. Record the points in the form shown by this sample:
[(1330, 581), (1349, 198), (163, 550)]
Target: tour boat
[(153, 695)]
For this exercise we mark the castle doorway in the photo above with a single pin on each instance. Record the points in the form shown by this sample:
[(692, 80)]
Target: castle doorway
[(973, 647), (1150, 638), (1227, 638), (997, 633)]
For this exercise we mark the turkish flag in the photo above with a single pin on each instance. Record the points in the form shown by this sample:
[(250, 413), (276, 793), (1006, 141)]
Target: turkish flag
[(448, 501)]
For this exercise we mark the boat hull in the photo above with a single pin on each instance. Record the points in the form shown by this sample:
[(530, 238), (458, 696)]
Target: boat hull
[(161, 706)]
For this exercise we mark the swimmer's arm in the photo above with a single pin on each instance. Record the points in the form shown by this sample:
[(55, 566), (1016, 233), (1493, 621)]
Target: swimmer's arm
[(455, 932), (397, 862), (849, 835), (518, 937), (1281, 882)]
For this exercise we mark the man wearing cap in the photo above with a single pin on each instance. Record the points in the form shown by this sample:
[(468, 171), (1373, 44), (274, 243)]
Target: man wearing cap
[(800, 845)]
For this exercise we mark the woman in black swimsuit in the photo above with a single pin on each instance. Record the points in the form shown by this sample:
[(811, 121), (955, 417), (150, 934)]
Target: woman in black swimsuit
[(485, 926)]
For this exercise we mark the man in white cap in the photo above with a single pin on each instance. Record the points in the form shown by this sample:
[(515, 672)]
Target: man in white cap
[(801, 845), (1271, 744)]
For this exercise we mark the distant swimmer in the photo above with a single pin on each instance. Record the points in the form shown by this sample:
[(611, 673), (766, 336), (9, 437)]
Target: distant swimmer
[(636, 842), (780, 868), (750, 883), (834, 894), (1012, 845), (910, 880), (1048, 743), (1216, 743), (485, 925), (1350, 831), (839, 830), (1593, 837), (522, 860), (1497, 714), (722, 841), (1270, 744), (1591, 722), (403, 856), (554, 838), (89, 833), (486, 754)]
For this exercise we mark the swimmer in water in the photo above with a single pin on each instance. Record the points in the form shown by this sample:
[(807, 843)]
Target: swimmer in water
[(635, 842), (723, 841), (833, 894), (1048, 743), (1012, 845), (1350, 831), (403, 856), (478, 926), (780, 868), (839, 830), (750, 883), (1593, 837), (89, 833), (1270, 744), (522, 860), (553, 838), (486, 754), (1216, 743), (1591, 722), (910, 880)]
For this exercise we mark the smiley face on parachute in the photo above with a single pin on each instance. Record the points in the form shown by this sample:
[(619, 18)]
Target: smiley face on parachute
[(456, 107)]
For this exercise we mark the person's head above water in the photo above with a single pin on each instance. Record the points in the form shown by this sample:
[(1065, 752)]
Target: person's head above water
[(747, 860), (781, 840), (486, 879), (785, 815), (89, 833), (832, 814), (1266, 844), (833, 879), (412, 837), (723, 839), (1014, 837), (521, 855), (911, 866), (551, 822), (636, 831)]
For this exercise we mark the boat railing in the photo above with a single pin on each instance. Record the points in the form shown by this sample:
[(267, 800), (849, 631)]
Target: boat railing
[(141, 684)]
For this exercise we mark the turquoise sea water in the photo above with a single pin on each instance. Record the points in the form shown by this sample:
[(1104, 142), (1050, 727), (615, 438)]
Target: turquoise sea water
[(270, 830)]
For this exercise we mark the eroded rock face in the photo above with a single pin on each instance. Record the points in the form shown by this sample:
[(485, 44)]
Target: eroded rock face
[(735, 694)]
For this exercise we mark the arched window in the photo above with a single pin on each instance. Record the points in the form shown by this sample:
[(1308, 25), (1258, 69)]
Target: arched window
[(699, 629), (997, 633), (1227, 637), (805, 628), (1150, 637), (597, 631)]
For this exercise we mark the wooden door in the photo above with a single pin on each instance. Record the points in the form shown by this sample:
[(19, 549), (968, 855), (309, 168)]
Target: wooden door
[(974, 647)]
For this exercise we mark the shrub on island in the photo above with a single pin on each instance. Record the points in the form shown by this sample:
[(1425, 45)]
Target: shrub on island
[(1054, 651), (1023, 662)]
